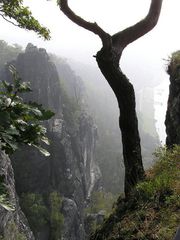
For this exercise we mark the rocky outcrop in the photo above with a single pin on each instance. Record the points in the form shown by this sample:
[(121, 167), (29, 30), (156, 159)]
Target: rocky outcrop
[(71, 170), (172, 121), (13, 223), (73, 226)]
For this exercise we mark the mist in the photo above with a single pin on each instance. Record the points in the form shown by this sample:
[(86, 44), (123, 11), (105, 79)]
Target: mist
[(144, 61), (87, 165)]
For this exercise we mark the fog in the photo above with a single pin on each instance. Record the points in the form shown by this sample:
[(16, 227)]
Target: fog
[(72, 41), (143, 61)]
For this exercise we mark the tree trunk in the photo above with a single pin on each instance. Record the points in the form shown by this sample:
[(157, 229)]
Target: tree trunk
[(108, 62)]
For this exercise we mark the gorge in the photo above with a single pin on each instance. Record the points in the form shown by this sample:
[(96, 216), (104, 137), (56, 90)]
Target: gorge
[(84, 147)]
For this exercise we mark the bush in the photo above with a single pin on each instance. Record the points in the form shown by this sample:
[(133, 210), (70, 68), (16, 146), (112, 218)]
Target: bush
[(39, 214), (101, 201), (155, 189), (56, 217), (12, 233), (35, 210), (151, 211)]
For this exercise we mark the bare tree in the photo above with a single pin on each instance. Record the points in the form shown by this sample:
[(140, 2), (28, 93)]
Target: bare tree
[(108, 59)]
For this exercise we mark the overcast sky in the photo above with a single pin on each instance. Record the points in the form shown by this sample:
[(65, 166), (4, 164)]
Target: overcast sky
[(70, 40), (142, 60)]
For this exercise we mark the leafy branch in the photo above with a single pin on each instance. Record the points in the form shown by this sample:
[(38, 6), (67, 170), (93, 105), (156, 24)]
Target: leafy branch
[(15, 13), (20, 122)]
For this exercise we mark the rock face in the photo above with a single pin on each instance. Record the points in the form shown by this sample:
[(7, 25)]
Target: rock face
[(13, 224), (73, 227), (173, 110), (71, 169)]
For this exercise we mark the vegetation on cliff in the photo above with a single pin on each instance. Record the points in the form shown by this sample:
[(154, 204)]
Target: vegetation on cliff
[(12, 233), (20, 123), (42, 210), (152, 210)]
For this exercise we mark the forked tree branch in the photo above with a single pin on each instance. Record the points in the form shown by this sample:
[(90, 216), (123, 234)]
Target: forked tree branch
[(122, 39), (93, 27)]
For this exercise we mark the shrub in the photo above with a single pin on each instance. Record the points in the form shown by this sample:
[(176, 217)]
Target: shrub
[(56, 217), (151, 210), (35, 210), (101, 201), (12, 233)]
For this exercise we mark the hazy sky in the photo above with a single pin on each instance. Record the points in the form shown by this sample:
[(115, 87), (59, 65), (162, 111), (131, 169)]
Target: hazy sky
[(69, 39), (142, 60)]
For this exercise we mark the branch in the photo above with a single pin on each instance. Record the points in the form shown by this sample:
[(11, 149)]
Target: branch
[(122, 39), (9, 21), (93, 27)]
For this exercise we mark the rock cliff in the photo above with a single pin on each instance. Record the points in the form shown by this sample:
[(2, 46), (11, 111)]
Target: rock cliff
[(13, 224), (71, 170), (173, 109)]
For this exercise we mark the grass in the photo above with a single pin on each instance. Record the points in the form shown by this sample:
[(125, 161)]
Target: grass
[(152, 212)]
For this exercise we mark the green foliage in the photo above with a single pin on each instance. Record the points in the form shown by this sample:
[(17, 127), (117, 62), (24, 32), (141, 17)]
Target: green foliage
[(162, 180), (22, 17), (12, 233), (155, 189), (19, 121), (101, 201), (40, 211), (173, 63), (151, 211), (56, 217), (35, 210), (4, 201)]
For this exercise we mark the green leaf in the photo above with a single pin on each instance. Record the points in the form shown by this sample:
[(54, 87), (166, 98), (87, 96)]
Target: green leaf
[(20, 123), (8, 87), (12, 131), (4, 118), (4, 202), (9, 140), (45, 140), (24, 87), (47, 114), (42, 150)]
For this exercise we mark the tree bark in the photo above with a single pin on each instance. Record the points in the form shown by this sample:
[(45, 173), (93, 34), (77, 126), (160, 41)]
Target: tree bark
[(108, 62)]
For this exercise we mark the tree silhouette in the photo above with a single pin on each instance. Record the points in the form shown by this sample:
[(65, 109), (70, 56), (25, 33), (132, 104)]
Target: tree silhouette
[(108, 59)]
